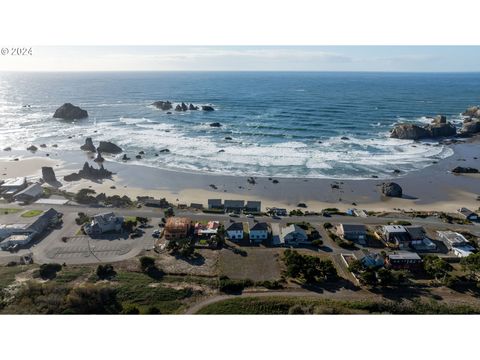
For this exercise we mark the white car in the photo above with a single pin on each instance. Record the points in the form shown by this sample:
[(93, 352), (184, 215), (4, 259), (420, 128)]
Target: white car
[(250, 216)]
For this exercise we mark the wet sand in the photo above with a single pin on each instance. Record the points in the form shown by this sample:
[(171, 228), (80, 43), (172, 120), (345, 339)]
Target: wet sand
[(433, 188)]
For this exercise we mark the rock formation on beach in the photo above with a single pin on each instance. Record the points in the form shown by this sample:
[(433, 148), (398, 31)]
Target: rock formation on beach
[(99, 158), (215, 124), (163, 105), (90, 173), (392, 189), (181, 107), (470, 127), (70, 112), (207, 108), (192, 107), (438, 128), (109, 148), (88, 146), (48, 175), (473, 111), (8, 148), (464, 170), (32, 148)]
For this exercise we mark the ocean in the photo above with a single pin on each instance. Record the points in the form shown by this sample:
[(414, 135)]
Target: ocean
[(283, 124)]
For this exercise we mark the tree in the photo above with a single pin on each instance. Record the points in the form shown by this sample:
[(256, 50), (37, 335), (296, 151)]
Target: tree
[(85, 196), (436, 267), (472, 264), (105, 272), (368, 277), (385, 277), (310, 268), (146, 262), (49, 271), (356, 266)]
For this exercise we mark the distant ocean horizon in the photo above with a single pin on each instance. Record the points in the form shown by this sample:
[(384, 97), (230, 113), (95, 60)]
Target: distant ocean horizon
[(284, 124)]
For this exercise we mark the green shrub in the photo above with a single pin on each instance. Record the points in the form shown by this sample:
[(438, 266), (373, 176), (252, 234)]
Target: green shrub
[(230, 286), (49, 271)]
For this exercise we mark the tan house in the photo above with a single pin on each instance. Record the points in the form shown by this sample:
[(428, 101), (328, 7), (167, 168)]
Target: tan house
[(177, 228)]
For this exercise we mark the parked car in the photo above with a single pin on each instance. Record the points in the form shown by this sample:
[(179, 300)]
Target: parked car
[(233, 215), (250, 216), (156, 233)]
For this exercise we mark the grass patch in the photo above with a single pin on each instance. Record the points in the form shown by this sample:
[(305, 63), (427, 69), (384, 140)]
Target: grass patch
[(31, 213), (70, 274), (287, 305), (8, 273), (9, 211), (141, 291)]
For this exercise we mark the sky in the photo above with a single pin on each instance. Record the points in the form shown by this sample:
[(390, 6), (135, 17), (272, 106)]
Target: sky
[(248, 58)]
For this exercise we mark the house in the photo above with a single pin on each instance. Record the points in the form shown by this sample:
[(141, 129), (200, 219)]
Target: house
[(235, 231), (12, 186), (103, 223), (456, 242), (177, 228), (353, 232), (196, 206), (467, 214), (29, 194), (372, 261), (158, 203), (259, 232), (206, 230), (293, 235), (404, 260), (215, 204), (235, 206), (42, 223), (14, 241), (416, 233), (396, 235), (452, 239), (253, 206)]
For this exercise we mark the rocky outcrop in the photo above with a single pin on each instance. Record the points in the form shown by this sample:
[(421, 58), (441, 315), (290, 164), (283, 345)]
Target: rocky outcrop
[(88, 146), (392, 189), (70, 112), (125, 157), (473, 111), (215, 124), (409, 131), (8, 148), (464, 170), (207, 108), (192, 107), (470, 127), (163, 105), (89, 172), (99, 158), (32, 148), (437, 129), (109, 148), (48, 175)]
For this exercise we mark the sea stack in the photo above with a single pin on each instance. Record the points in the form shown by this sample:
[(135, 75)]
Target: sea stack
[(48, 175), (392, 189), (109, 148), (88, 146), (70, 112)]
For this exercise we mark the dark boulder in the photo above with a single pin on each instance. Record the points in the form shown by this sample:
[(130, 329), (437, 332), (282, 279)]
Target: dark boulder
[(251, 180), (215, 124), (409, 131), (89, 172), (141, 152), (302, 205), (207, 108), (32, 148), (440, 119), (8, 148), (43, 145), (163, 105), (109, 148), (99, 158), (70, 112), (88, 146), (178, 108), (184, 107), (437, 130), (164, 151), (228, 138), (192, 107), (55, 145), (48, 175), (72, 177), (464, 170), (138, 157), (125, 157), (392, 189), (344, 138)]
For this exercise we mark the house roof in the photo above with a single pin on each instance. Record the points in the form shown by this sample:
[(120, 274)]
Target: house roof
[(236, 226), (394, 229), (353, 228), (43, 220), (214, 201), (253, 204), (33, 190), (452, 237), (234, 203), (261, 226), (415, 232), (404, 256), (14, 182), (104, 218), (466, 212), (177, 224)]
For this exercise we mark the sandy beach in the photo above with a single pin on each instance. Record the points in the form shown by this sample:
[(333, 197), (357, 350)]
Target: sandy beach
[(433, 188)]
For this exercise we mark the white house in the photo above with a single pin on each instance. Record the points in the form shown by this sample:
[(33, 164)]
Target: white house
[(235, 231), (12, 186), (293, 235), (103, 223), (259, 232)]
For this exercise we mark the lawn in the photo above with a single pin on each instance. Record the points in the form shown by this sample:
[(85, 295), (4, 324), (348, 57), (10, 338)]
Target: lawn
[(277, 305), (257, 264), (6, 211), (31, 213)]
